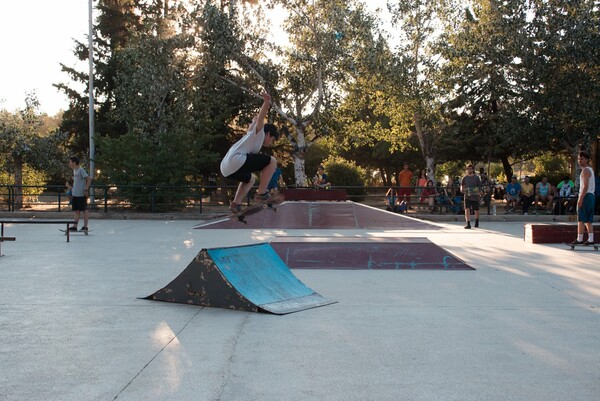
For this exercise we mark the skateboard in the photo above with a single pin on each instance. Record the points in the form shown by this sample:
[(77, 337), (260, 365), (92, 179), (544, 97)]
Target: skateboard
[(75, 232), (255, 208), (595, 246)]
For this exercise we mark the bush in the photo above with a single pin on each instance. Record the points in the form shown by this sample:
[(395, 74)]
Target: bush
[(344, 173)]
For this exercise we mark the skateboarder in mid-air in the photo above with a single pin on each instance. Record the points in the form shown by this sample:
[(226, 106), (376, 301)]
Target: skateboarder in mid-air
[(243, 159)]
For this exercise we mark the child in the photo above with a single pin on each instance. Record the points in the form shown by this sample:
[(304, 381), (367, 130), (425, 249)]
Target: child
[(243, 159)]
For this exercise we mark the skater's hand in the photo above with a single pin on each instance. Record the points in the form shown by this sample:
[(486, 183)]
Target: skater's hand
[(266, 97)]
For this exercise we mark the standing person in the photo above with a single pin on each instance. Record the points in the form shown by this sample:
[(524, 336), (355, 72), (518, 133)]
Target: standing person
[(405, 178), (243, 159), (527, 194), (586, 201), (80, 192), (421, 181), (469, 186)]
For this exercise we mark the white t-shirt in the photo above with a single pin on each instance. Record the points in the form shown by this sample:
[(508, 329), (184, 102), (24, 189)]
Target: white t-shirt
[(236, 156)]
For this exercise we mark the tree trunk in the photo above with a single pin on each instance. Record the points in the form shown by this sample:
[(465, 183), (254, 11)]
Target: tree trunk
[(425, 141), (508, 170), (299, 149), (299, 169), (430, 163)]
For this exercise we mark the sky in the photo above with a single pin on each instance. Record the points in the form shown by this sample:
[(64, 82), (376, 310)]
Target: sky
[(35, 37)]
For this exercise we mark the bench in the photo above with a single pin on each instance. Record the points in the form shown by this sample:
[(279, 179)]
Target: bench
[(68, 223), (553, 233)]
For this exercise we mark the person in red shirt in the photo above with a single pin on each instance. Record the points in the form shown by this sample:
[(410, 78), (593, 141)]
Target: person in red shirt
[(428, 195), (405, 178)]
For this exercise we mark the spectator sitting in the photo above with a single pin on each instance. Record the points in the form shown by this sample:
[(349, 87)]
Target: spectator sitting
[(566, 197), (321, 181), (275, 182), (513, 189), (527, 195), (544, 194), (391, 198), (486, 189), (428, 195), (442, 198)]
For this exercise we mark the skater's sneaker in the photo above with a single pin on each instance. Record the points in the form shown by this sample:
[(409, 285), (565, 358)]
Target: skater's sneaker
[(234, 207), (576, 243), (476, 224), (73, 228), (263, 198), (468, 226), (84, 229), (589, 243)]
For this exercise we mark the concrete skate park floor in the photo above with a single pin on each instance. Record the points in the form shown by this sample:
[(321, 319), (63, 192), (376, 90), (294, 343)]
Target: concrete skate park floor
[(524, 325)]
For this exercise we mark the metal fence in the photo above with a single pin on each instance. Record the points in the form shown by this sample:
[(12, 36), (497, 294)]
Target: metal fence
[(154, 199)]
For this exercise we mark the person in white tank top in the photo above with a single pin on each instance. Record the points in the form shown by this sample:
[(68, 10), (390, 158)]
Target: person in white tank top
[(586, 201)]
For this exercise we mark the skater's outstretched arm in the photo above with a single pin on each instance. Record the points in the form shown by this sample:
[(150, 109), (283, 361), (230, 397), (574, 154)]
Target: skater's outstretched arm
[(262, 114)]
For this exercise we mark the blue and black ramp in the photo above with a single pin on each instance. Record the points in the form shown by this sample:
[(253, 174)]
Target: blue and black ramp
[(249, 278)]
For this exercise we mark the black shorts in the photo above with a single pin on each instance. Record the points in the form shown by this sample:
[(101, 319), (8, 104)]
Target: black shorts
[(472, 204), (79, 203), (254, 162)]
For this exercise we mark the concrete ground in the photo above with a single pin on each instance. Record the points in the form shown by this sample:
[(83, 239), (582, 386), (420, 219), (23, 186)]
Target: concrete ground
[(525, 325)]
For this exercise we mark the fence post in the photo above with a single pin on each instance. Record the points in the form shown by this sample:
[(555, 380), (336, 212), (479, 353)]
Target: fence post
[(105, 199), (153, 200)]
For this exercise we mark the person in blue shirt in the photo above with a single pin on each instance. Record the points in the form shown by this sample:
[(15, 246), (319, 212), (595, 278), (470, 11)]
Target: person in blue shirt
[(513, 189), (275, 181), (321, 180)]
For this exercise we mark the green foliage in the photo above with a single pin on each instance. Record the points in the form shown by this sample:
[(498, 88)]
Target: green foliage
[(131, 160), (506, 80), (31, 178), (345, 173), (551, 165), (315, 156)]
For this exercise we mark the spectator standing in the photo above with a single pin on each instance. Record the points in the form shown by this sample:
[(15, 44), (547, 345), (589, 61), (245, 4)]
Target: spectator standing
[(586, 201), (405, 178), (470, 187), (421, 181)]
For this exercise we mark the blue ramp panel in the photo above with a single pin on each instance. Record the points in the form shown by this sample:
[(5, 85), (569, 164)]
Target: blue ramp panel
[(251, 278)]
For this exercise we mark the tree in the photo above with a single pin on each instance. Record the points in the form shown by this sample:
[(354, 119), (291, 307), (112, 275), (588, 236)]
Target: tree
[(565, 73), (323, 36), (419, 97), (486, 81), (23, 141)]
